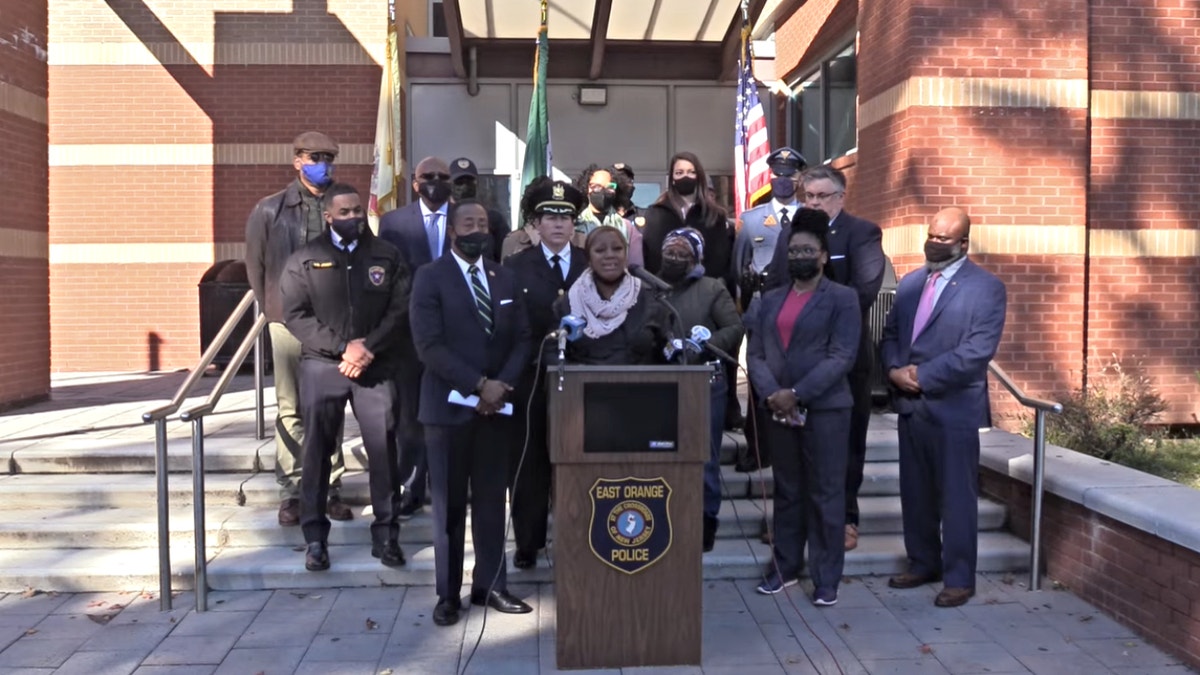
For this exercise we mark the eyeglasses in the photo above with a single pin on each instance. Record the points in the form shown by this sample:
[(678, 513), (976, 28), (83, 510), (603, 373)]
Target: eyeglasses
[(321, 156), (434, 176), (596, 187), (819, 196), (805, 252)]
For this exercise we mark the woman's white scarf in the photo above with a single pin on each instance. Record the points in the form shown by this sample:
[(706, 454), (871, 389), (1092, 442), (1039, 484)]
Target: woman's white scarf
[(602, 316)]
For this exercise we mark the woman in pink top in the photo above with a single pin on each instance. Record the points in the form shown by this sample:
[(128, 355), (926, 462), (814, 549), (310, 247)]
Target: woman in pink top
[(803, 340)]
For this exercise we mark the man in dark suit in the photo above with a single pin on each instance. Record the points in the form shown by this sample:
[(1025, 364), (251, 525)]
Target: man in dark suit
[(472, 333), (544, 273), (856, 260), (344, 297), (939, 337), (419, 231)]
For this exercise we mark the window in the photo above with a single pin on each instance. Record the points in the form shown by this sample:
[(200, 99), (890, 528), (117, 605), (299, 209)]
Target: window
[(824, 114), (437, 19)]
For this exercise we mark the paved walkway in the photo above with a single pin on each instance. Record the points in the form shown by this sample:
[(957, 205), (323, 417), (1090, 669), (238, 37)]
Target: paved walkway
[(376, 631)]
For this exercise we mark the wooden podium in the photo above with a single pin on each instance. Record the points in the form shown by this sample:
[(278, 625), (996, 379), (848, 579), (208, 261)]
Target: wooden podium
[(628, 444)]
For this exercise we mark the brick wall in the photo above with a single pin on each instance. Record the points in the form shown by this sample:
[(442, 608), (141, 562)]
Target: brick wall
[(152, 182), (1146, 583), (25, 329)]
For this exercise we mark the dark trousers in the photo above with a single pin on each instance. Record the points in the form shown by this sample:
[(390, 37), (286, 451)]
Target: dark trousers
[(939, 486), (323, 395), (810, 470), (716, 430), (757, 453), (859, 379), (410, 435), (469, 459), (733, 406), (530, 487)]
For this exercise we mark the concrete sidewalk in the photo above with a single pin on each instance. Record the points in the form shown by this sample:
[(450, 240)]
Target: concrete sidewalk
[(372, 631)]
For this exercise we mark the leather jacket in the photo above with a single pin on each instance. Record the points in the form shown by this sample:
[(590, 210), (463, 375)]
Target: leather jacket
[(274, 230)]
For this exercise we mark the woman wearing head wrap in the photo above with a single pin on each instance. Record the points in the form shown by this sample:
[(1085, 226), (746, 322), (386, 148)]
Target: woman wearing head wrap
[(626, 325), (803, 339), (703, 301)]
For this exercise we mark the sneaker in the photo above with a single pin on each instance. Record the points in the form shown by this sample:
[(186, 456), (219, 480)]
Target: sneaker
[(824, 597), (774, 583)]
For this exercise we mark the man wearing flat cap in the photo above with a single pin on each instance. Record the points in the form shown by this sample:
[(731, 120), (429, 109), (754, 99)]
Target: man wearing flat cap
[(464, 177), (544, 273), (279, 225)]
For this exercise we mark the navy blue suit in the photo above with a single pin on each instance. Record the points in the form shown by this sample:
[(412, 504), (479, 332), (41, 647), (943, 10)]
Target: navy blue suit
[(809, 462), (856, 260), (467, 450), (939, 427), (404, 228)]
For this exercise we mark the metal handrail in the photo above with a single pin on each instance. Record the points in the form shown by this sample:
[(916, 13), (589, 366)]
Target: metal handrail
[(196, 415), (158, 416), (1040, 408)]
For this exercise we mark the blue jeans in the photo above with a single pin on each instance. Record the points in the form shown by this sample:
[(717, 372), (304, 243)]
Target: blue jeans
[(716, 426)]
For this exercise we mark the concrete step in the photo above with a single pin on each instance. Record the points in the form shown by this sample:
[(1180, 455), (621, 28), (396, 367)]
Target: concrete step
[(879, 478), (272, 567), (52, 491), (233, 448), (246, 526)]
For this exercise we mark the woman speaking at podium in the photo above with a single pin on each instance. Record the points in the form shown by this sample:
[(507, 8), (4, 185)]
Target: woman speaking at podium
[(703, 301), (803, 341), (626, 324)]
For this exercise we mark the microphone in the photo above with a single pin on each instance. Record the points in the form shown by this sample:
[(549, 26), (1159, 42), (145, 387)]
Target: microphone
[(681, 349), (569, 328), (658, 284), (701, 335)]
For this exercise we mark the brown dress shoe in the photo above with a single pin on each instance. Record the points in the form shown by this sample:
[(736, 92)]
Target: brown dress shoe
[(339, 510), (765, 535), (910, 580), (289, 512), (953, 597), (851, 537)]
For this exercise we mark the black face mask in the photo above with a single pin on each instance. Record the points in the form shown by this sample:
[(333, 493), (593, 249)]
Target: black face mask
[(938, 252), (804, 269), (473, 245), (465, 190), (348, 229), (783, 188), (685, 186), (436, 191), (674, 270), (602, 201)]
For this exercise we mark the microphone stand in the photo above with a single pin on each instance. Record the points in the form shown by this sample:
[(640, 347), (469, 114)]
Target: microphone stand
[(562, 356), (661, 297)]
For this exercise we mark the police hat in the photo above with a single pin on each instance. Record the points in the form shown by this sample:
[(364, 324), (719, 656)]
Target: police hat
[(314, 141), (786, 161), (463, 167), (622, 167), (558, 197)]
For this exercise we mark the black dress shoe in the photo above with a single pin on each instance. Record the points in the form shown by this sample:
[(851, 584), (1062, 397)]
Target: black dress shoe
[(316, 557), (445, 613), (524, 560), (339, 510), (501, 601), (709, 538), (389, 553), (408, 508)]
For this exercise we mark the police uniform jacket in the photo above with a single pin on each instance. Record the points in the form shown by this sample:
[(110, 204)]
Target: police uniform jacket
[(331, 296), (541, 285), (274, 230)]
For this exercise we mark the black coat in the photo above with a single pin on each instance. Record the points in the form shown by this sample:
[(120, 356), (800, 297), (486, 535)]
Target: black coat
[(541, 285), (662, 217), (855, 258), (639, 340), (274, 231), (331, 297)]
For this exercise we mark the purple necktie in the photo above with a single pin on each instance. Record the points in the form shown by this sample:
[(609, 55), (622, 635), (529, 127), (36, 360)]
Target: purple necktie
[(925, 306)]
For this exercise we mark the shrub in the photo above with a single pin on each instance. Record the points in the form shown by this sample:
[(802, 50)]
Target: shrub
[(1111, 417)]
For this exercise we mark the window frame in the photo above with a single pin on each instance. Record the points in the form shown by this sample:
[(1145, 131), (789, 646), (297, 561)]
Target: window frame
[(795, 118)]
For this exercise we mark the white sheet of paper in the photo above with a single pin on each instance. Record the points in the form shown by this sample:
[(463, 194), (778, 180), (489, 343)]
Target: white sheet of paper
[(473, 400)]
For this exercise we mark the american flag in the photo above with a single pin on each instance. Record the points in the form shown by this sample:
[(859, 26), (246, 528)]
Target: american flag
[(751, 146)]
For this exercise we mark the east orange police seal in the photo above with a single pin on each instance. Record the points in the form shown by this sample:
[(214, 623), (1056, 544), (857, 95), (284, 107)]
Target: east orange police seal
[(631, 522)]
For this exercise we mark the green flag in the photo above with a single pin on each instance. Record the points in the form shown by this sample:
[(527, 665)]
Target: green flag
[(538, 157)]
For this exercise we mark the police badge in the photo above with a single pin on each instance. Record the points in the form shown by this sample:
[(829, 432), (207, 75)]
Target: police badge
[(631, 522), (376, 275), (559, 191)]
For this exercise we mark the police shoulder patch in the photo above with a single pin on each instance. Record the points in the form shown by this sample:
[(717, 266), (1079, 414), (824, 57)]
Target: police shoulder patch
[(377, 274)]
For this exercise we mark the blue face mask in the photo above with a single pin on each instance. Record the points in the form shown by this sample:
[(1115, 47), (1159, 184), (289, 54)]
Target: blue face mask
[(319, 174)]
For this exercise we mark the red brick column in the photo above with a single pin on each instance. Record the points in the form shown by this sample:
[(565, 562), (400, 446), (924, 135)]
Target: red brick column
[(24, 302)]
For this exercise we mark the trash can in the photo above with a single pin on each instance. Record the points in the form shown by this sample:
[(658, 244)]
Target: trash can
[(221, 289)]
